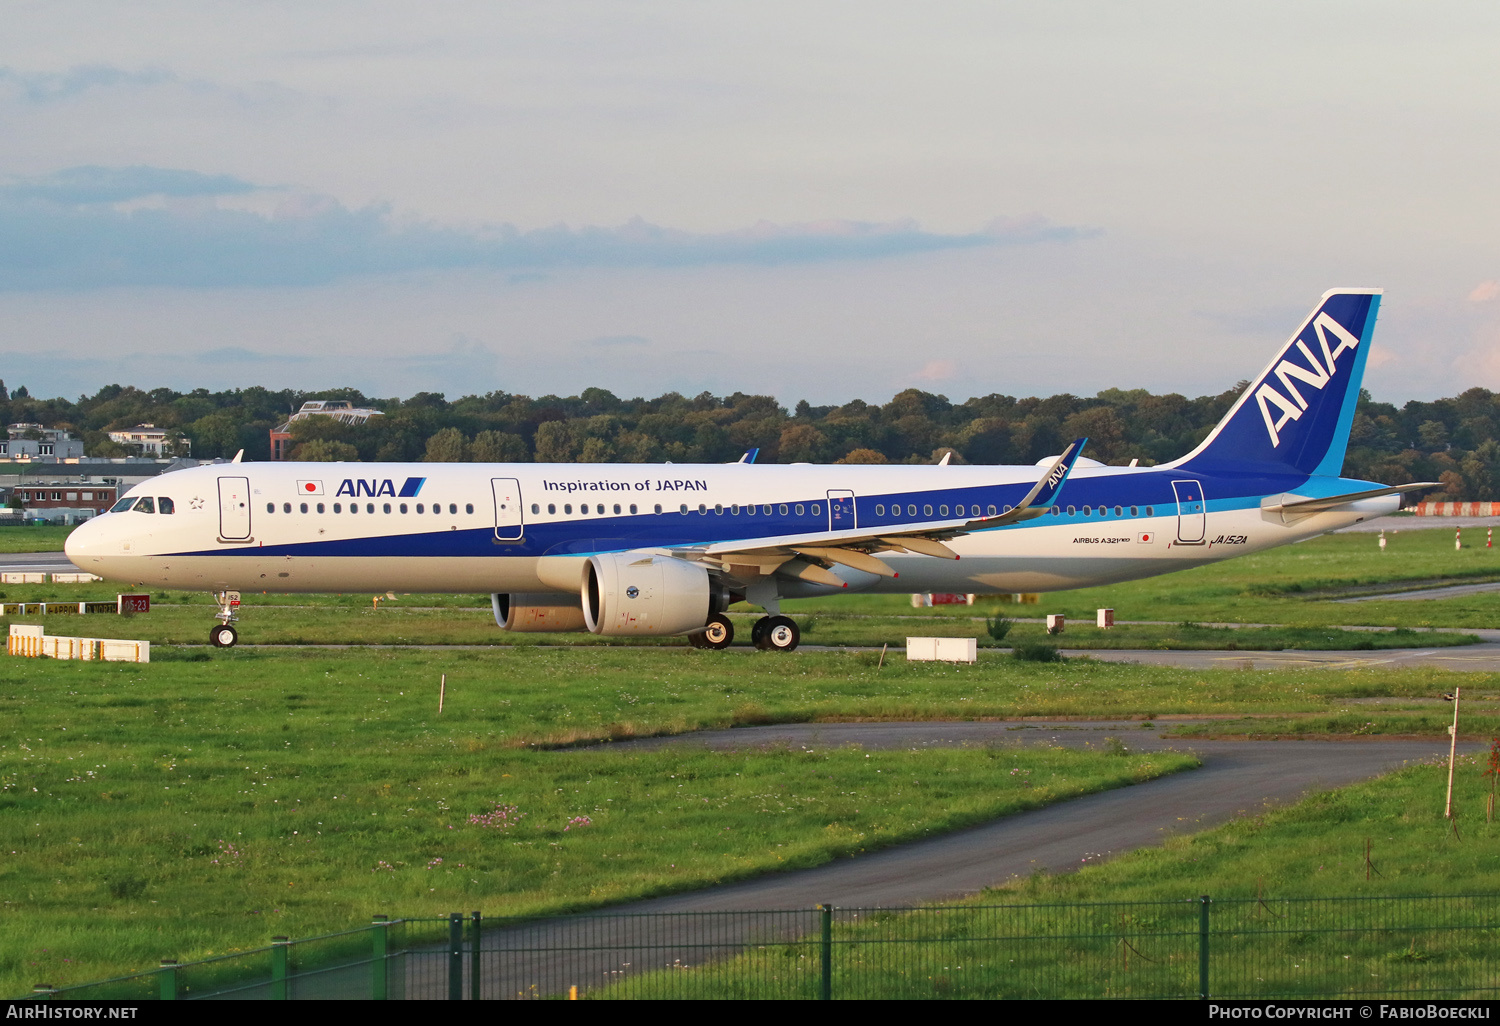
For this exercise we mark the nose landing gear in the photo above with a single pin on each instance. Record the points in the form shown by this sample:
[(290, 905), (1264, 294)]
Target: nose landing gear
[(223, 635)]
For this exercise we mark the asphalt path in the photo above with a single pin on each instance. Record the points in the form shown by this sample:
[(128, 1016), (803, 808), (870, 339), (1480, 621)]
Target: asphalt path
[(49, 562), (1237, 778)]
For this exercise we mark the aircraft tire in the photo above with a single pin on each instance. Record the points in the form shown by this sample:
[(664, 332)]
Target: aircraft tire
[(758, 632), (718, 634), (223, 636), (781, 634)]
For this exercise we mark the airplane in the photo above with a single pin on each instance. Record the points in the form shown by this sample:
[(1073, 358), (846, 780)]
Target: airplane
[(652, 550)]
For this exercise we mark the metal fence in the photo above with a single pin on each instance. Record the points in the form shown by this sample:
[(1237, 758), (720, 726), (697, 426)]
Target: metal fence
[(1393, 947)]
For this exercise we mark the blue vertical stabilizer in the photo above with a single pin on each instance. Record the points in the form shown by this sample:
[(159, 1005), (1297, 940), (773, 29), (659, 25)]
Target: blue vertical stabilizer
[(1296, 415)]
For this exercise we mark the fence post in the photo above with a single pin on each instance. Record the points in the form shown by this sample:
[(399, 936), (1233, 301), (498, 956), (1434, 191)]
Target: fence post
[(825, 992), (455, 956), (475, 929), (279, 949), (1203, 902), (379, 963), (167, 980)]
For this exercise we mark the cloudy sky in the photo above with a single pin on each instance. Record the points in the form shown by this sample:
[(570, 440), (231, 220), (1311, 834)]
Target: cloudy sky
[(820, 200)]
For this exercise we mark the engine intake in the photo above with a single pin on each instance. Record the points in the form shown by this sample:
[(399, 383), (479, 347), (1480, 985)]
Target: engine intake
[(530, 613), (625, 594)]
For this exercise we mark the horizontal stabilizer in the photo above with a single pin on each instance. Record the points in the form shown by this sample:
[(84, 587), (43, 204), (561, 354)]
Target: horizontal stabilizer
[(1296, 505)]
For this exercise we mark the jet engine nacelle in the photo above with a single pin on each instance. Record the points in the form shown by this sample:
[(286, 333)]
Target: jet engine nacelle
[(625, 594), (528, 613)]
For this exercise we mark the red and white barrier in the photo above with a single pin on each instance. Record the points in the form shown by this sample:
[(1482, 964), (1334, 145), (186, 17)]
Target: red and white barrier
[(1457, 509)]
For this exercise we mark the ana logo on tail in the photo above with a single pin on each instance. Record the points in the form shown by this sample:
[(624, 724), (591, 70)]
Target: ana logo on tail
[(1315, 374)]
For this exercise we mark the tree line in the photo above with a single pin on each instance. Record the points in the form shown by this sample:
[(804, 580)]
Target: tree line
[(1455, 441)]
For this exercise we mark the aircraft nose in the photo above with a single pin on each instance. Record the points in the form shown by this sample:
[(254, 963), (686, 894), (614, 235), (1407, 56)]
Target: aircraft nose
[(85, 541)]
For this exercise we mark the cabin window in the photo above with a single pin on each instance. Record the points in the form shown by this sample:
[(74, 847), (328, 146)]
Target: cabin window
[(165, 505), (468, 507), (1088, 510), (750, 510), (338, 507), (993, 511), (783, 509), (683, 507), (632, 509), (370, 507), (286, 507), (1072, 511), (658, 508), (1150, 511), (551, 507), (766, 510), (453, 509), (617, 508), (817, 510), (702, 509), (1057, 511), (1135, 511), (718, 509), (599, 509), (927, 511), (535, 508), (880, 510), (567, 509), (353, 507), (734, 510), (942, 511), (320, 507), (1119, 511), (270, 507), (402, 507), (799, 509), (304, 507)]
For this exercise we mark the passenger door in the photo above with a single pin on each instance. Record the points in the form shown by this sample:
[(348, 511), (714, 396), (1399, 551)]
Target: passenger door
[(1192, 512), (509, 522), (234, 508)]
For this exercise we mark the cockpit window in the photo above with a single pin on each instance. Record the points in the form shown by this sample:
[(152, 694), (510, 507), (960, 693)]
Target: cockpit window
[(123, 505), (145, 504), (165, 505)]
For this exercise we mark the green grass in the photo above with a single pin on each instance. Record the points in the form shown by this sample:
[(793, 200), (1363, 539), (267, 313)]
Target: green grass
[(394, 623), (1065, 934), (183, 809), (33, 538)]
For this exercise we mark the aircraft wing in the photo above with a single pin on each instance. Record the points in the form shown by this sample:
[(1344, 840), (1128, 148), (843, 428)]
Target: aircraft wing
[(1292, 504), (809, 556)]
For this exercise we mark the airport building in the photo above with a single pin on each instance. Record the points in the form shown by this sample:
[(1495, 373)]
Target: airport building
[(69, 493)]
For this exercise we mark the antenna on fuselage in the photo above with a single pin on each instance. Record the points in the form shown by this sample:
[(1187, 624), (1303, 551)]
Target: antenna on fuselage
[(237, 456)]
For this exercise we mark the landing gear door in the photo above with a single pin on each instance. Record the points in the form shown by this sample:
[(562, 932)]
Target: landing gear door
[(841, 511), (1192, 513), (509, 524), (234, 509)]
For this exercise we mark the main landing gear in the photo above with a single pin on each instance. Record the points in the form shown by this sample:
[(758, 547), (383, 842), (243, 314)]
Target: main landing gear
[(718, 634), (770, 634), (775, 634), (223, 635)]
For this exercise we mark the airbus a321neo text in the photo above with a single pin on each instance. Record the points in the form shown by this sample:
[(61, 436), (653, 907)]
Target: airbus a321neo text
[(646, 549)]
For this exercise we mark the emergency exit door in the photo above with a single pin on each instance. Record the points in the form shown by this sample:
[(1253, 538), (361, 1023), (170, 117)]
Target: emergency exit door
[(841, 511), (509, 522)]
